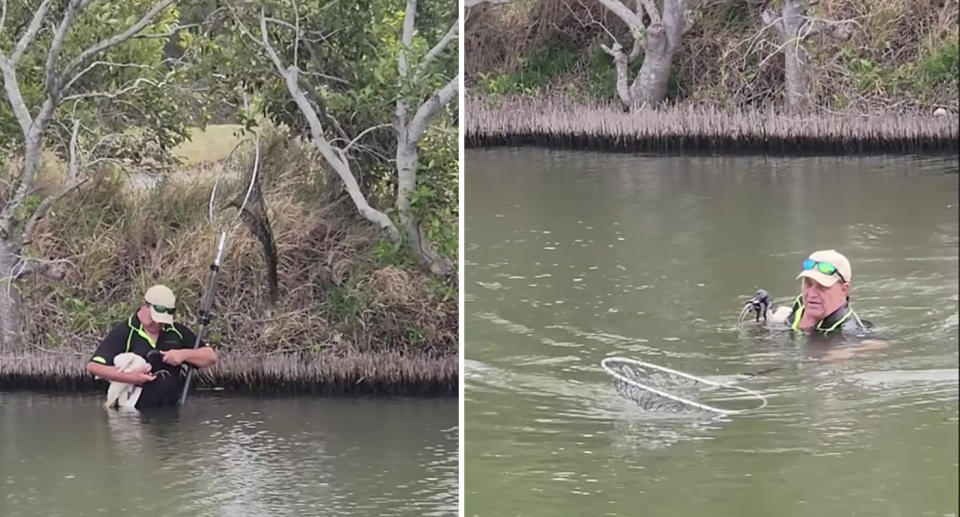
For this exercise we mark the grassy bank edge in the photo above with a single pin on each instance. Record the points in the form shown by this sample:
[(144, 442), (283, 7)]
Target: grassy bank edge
[(556, 123), (382, 374)]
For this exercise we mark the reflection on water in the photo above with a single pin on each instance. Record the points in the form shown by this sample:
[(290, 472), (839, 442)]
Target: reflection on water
[(574, 257), (63, 455)]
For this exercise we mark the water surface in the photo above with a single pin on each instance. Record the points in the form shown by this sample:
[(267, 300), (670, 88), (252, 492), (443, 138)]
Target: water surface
[(575, 256), (62, 455)]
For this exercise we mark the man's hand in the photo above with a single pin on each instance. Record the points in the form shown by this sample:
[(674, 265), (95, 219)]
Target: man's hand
[(174, 357)]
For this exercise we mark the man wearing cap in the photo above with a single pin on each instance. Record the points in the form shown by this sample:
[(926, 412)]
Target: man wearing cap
[(823, 306), (152, 334)]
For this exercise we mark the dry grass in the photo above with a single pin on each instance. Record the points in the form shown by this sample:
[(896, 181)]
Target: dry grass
[(558, 123)]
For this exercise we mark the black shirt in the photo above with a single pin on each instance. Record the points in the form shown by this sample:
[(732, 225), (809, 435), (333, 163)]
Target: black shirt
[(843, 320), (129, 336)]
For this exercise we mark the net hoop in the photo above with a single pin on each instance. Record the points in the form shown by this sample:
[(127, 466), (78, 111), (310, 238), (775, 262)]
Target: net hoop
[(605, 363), (253, 178)]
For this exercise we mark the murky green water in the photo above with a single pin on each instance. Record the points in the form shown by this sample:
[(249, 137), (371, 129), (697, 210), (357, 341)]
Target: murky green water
[(228, 456), (572, 257)]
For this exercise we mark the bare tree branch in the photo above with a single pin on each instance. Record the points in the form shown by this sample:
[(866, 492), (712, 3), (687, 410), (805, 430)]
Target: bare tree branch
[(365, 131), (406, 38), (296, 35), (451, 35), (624, 13), (117, 39), (3, 16), (17, 104), (114, 94), (95, 64), (30, 33), (651, 10), (770, 19), (426, 110), (591, 21), (53, 54), (74, 180), (620, 61), (836, 29), (334, 157)]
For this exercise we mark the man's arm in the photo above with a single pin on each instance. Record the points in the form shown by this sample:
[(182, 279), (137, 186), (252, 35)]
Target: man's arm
[(866, 345), (197, 357), (112, 374)]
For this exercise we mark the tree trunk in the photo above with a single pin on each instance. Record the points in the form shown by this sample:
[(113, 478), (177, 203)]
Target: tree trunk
[(650, 86), (795, 77), (789, 27), (11, 320), (406, 183), (663, 39), (407, 156)]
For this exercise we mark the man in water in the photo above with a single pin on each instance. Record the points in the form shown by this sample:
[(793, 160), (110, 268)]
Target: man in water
[(152, 334), (823, 306)]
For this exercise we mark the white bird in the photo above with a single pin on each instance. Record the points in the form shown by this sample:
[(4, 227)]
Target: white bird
[(121, 394), (762, 306)]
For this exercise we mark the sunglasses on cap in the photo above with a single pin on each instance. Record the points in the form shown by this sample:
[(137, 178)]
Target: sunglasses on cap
[(169, 310), (823, 267)]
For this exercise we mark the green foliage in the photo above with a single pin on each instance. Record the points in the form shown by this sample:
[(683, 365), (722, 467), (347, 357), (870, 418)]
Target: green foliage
[(937, 68), (388, 253), (347, 304), (151, 107), (531, 75), (445, 291), (435, 201), (602, 77), (940, 66)]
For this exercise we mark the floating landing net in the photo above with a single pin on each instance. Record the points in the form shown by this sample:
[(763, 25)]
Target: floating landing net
[(660, 389)]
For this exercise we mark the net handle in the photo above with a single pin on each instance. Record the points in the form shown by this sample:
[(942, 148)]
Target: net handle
[(682, 400)]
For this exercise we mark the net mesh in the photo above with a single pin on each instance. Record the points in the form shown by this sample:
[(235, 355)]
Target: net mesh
[(237, 187), (641, 384)]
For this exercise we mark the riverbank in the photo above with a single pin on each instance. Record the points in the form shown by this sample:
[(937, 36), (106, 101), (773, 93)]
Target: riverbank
[(554, 123), (310, 296), (386, 373)]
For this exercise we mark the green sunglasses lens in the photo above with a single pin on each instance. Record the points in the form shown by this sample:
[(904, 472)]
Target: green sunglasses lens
[(823, 267), (826, 269)]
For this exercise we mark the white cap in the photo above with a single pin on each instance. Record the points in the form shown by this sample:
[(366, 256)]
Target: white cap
[(834, 258), (163, 296)]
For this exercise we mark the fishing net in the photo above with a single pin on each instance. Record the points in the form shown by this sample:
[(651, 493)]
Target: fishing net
[(237, 186), (662, 390)]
